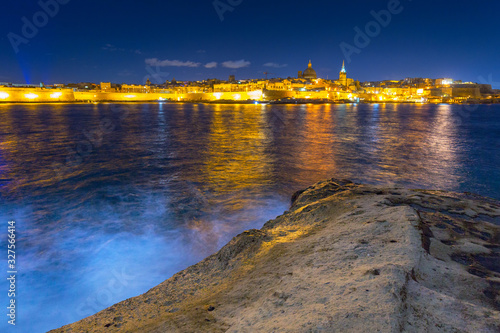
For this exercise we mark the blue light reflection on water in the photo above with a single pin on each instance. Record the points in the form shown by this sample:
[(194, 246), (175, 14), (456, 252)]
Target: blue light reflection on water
[(170, 184)]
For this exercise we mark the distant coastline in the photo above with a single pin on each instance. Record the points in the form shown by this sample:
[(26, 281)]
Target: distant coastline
[(307, 88)]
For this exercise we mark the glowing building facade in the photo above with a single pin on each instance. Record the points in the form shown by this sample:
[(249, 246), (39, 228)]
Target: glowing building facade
[(343, 75), (309, 73)]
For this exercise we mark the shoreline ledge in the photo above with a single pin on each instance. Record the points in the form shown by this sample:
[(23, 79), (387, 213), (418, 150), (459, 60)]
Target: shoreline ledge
[(345, 257)]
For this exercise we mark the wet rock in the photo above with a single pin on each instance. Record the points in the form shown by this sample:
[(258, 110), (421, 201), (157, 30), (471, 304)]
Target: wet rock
[(373, 272), (248, 240), (345, 257), (471, 213)]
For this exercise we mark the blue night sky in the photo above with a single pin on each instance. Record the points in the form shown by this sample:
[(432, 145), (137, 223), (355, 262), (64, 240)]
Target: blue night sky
[(126, 41)]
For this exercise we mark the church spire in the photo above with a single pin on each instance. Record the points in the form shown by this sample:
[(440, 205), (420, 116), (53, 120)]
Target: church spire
[(310, 64), (343, 67)]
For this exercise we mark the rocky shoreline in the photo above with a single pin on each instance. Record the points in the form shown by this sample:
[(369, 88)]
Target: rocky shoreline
[(345, 257)]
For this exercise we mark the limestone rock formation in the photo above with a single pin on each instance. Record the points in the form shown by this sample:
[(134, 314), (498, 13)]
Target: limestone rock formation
[(344, 258)]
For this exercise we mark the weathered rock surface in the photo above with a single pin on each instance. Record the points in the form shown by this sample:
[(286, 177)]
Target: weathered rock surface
[(344, 258)]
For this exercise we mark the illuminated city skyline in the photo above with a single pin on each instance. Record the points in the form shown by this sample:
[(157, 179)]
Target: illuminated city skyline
[(306, 88), (122, 42)]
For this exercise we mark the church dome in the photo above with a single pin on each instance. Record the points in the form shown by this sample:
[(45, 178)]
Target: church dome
[(309, 73)]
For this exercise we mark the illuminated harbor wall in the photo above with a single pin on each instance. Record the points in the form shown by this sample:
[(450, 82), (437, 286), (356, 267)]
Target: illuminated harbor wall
[(96, 96), (37, 95), (259, 95), (44, 95), (370, 94), (16, 95), (122, 97), (215, 96)]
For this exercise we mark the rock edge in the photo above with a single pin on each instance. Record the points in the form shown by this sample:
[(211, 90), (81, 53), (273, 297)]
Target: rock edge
[(345, 257)]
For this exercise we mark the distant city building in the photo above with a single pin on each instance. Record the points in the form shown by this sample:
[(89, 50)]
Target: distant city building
[(83, 86), (232, 78), (309, 73), (343, 75), (106, 86), (133, 88), (444, 81), (344, 80)]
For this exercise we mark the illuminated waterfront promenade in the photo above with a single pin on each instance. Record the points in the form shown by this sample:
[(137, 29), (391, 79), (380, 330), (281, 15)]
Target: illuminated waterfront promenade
[(63, 95), (42, 95)]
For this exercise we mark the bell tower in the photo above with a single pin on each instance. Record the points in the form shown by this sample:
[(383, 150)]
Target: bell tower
[(343, 75)]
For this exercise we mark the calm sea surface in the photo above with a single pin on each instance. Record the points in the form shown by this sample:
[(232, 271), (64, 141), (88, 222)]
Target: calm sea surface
[(111, 199)]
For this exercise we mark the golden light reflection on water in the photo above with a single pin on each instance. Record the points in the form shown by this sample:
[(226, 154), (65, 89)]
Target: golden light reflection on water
[(418, 148), (30, 136), (234, 156), (230, 148), (315, 147), (443, 149)]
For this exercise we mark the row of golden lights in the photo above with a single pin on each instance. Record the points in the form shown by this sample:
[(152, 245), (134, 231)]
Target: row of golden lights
[(4, 95)]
